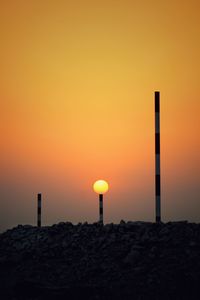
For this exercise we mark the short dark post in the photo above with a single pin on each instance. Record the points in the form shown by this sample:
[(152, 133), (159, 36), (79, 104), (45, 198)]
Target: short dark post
[(39, 198), (157, 157), (101, 208)]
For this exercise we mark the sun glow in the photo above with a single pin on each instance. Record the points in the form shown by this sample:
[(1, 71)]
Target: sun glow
[(100, 186)]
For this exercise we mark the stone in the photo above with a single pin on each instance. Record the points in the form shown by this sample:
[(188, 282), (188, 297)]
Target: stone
[(132, 257), (117, 261)]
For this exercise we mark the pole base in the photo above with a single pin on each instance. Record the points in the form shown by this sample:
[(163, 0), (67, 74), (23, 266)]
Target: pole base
[(158, 219)]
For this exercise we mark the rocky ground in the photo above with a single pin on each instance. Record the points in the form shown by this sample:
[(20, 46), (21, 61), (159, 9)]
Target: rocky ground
[(133, 260)]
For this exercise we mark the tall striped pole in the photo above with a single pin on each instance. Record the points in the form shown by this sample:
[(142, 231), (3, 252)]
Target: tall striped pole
[(101, 208), (39, 207), (157, 157)]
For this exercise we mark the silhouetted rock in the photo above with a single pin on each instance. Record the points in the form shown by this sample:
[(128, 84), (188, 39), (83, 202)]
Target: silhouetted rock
[(131, 260)]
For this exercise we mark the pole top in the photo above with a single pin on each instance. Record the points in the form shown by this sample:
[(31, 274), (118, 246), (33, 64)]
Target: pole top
[(157, 101)]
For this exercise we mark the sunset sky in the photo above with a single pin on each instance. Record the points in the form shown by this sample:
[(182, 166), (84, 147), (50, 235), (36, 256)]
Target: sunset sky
[(77, 86)]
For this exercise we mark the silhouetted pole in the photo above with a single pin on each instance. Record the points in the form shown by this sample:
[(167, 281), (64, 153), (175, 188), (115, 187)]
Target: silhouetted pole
[(39, 201), (101, 208), (157, 157)]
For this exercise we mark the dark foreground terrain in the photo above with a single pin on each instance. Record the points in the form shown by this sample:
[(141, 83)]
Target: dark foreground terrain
[(132, 260)]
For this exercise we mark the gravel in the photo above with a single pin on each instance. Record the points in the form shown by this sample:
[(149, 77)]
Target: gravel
[(130, 260)]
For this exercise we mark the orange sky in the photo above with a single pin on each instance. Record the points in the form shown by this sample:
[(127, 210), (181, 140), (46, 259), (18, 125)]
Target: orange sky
[(77, 86)]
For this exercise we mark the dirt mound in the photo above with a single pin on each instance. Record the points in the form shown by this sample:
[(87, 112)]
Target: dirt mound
[(133, 260)]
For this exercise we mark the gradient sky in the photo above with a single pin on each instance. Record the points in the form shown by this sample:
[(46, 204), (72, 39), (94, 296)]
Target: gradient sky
[(77, 86)]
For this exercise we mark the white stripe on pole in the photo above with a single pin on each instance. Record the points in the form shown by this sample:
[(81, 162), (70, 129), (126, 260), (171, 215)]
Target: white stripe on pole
[(157, 121), (157, 164)]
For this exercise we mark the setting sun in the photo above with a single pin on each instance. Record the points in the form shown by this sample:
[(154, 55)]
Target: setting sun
[(100, 186)]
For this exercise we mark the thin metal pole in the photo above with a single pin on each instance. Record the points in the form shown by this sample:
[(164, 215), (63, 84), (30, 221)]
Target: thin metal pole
[(39, 208), (157, 157), (101, 208)]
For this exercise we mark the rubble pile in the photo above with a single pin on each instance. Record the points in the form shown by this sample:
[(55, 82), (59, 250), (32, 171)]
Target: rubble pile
[(130, 260)]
